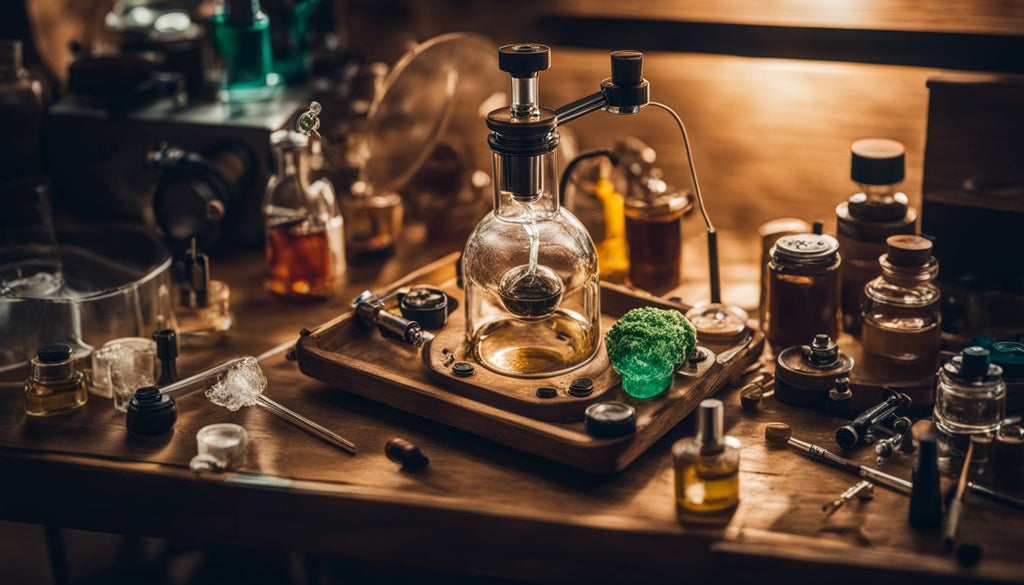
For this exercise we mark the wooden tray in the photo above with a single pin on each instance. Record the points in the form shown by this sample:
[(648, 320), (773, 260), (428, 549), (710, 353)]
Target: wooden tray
[(349, 356)]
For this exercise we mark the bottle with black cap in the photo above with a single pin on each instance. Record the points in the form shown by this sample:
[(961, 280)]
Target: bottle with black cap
[(868, 217), (901, 312), (55, 385), (970, 400), (707, 466)]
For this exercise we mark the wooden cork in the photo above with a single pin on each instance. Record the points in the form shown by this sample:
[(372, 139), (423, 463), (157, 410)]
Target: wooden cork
[(777, 433), (907, 251)]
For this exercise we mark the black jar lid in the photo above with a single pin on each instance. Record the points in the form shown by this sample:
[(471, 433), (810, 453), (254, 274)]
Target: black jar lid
[(150, 412), (54, 354), (610, 419), (877, 161), (805, 249), (427, 305)]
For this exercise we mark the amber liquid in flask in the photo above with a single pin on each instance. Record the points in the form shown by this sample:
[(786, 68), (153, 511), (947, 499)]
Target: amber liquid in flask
[(299, 260)]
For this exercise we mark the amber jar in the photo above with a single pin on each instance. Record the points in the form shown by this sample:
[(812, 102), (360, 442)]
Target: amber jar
[(803, 290)]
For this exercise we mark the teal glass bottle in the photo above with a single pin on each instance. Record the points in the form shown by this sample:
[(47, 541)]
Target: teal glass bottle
[(291, 59), (241, 33)]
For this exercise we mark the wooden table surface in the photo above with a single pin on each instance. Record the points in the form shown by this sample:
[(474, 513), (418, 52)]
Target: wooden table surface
[(480, 507)]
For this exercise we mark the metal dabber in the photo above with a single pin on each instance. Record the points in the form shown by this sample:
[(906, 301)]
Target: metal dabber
[(372, 312), (849, 436), (863, 490), (782, 434)]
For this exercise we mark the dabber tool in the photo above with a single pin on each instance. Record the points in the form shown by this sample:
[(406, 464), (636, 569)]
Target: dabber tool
[(862, 490), (782, 434)]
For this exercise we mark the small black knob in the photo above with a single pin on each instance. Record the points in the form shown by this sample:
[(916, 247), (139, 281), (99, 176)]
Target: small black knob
[(54, 354), (975, 362), (166, 344), (627, 67), (524, 60)]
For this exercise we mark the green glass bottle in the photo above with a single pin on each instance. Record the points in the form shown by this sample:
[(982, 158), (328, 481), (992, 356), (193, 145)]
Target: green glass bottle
[(292, 57), (241, 33)]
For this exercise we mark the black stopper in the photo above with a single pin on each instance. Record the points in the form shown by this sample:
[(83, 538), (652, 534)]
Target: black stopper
[(166, 344), (877, 161), (463, 369), (610, 419), (150, 412), (975, 362), (407, 454), (54, 354), (627, 67), (524, 60)]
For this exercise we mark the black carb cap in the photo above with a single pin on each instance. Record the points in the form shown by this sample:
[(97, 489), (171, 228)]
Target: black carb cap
[(427, 305), (974, 364), (150, 412), (524, 59), (610, 419), (626, 91)]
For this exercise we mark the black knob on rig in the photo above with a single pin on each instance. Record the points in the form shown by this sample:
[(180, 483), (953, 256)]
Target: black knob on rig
[(627, 68), (626, 91), (524, 60)]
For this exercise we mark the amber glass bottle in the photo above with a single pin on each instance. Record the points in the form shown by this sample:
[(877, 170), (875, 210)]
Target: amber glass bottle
[(803, 290), (868, 217), (707, 466)]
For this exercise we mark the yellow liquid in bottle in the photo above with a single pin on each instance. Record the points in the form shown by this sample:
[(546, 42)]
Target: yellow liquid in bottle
[(703, 487)]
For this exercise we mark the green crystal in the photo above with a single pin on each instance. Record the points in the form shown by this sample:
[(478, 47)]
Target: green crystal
[(646, 346)]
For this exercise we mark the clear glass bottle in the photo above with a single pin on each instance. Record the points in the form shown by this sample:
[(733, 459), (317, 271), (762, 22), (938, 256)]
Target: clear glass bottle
[(305, 247), (21, 115), (373, 221), (203, 313), (901, 311), (803, 290), (707, 466), (55, 385), (531, 276), (241, 34), (970, 400), (868, 217)]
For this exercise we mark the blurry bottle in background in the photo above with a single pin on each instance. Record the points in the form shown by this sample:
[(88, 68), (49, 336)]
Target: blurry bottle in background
[(592, 197), (305, 246), (241, 34), (373, 221), (21, 115), (868, 217)]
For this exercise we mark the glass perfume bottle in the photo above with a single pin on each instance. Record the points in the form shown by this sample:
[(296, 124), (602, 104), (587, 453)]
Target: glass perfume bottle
[(56, 385), (707, 466), (803, 290), (970, 400), (305, 247), (241, 34), (901, 311), (868, 217), (204, 305)]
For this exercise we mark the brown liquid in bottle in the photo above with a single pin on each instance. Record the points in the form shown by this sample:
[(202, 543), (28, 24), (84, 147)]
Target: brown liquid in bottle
[(299, 261), (655, 249)]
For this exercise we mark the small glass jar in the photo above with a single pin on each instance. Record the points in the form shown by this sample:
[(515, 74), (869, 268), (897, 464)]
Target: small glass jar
[(654, 236), (55, 385), (803, 290), (970, 400), (373, 221), (205, 323), (305, 246), (707, 466), (868, 217), (901, 311)]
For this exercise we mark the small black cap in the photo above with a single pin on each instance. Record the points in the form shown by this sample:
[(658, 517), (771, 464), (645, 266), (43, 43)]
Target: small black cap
[(877, 161), (610, 419), (523, 59), (54, 354), (627, 67), (427, 305), (150, 412), (581, 387), (463, 369), (546, 392), (975, 362), (166, 344)]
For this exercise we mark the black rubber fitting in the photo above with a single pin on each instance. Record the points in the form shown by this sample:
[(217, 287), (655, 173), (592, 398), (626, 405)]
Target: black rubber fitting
[(524, 59)]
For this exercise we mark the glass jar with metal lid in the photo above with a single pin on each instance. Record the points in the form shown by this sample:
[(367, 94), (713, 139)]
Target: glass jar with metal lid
[(803, 290)]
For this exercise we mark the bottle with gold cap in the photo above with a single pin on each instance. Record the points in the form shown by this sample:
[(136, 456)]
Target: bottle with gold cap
[(868, 217), (707, 466), (901, 310)]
